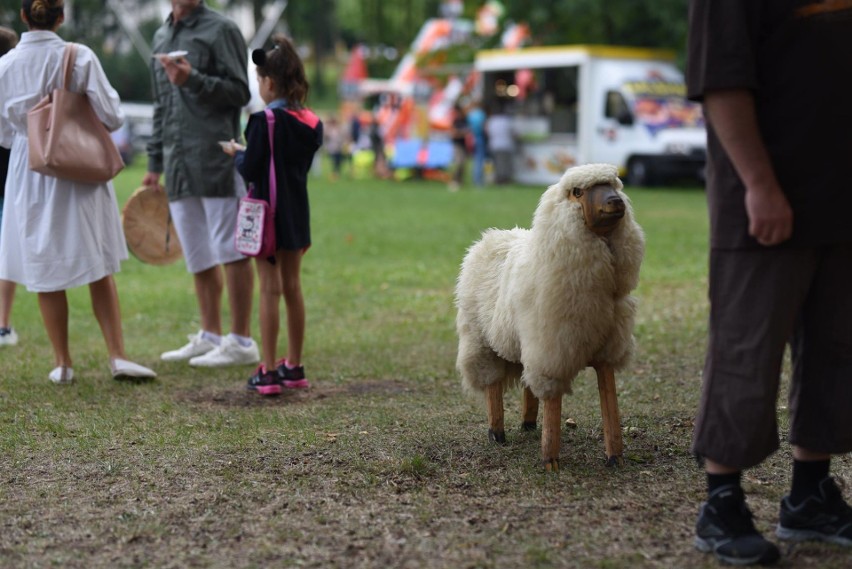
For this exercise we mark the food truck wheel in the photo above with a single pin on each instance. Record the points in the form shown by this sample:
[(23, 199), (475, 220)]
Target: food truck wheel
[(639, 172)]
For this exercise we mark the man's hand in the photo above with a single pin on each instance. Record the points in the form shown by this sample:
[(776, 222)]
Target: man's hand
[(732, 114), (177, 68), (231, 147), (769, 214), (152, 180)]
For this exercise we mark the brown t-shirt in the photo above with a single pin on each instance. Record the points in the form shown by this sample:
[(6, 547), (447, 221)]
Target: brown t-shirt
[(796, 58)]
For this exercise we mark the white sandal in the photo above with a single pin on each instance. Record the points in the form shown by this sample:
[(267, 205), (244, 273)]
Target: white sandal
[(124, 369), (62, 375)]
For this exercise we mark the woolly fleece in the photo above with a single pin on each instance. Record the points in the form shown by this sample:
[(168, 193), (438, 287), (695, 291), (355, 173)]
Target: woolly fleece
[(553, 298)]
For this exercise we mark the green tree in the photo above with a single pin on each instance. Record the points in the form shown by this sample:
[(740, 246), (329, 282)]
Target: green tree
[(310, 24), (642, 23), (91, 22), (378, 23), (313, 24), (323, 24)]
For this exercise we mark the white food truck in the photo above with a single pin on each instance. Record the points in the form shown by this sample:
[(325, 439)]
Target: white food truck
[(579, 104)]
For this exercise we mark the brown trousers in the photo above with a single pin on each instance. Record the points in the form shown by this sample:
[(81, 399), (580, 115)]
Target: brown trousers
[(760, 300)]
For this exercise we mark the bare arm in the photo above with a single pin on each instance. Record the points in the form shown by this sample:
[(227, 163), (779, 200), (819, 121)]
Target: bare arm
[(733, 117)]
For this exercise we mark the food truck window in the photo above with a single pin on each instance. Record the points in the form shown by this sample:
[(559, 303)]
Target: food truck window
[(616, 108), (559, 94), (549, 93)]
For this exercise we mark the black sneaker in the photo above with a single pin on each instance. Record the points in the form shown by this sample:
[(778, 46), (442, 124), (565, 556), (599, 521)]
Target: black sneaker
[(725, 528), (264, 382), (826, 517), (292, 377)]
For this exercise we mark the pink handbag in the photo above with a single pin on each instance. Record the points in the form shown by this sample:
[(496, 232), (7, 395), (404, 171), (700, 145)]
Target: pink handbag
[(255, 233), (66, 138)]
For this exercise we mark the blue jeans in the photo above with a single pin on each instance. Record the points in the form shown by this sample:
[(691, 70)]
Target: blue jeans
[(479, 163)]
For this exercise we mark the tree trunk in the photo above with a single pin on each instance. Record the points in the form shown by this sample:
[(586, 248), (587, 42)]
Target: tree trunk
[(322, 22), (257, 6)]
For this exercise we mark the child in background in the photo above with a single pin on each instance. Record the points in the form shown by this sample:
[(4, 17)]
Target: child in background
[(458, 134), (334, 143), (298, 134), (8, 337)]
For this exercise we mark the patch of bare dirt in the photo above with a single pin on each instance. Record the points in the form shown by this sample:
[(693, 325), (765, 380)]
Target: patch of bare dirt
[(241, 397), (379, 474), (468, 505)]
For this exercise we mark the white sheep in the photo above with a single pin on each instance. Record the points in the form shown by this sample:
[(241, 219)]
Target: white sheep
[(541, 304)]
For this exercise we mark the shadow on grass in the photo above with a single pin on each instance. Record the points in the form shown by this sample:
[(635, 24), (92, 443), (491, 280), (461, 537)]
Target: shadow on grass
[(242, 398)]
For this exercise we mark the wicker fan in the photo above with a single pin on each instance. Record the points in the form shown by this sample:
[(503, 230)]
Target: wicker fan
[(148, 228)]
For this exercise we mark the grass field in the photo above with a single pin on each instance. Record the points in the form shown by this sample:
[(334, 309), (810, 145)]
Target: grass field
[(383, 463)]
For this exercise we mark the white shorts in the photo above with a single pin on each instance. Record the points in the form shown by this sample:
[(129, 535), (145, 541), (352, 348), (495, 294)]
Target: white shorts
[(205, 227)]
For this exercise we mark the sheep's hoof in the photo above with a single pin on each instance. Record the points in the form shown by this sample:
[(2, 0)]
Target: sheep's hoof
[(551, 465), (616, 460), (529, 425), (498, 437)]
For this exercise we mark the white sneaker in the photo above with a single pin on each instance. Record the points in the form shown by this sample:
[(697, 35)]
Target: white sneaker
[(228, 353), (8, 337), (197, 346)]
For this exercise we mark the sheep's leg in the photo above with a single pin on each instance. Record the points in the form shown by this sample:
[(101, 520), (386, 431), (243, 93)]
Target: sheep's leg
[(609, 412), (494, 401), (551, 427), (529, 410)]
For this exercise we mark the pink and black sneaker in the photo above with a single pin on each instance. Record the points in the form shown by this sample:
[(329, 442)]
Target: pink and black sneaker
[(264, 382), (292, 377)]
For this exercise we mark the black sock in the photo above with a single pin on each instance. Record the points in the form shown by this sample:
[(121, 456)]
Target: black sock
[(806, 478), (715, 481)]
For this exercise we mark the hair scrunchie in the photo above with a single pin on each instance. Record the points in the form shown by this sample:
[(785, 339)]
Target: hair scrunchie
[(258, 57)]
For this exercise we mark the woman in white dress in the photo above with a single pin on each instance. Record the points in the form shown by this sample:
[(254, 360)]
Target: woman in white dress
[(59, 234)]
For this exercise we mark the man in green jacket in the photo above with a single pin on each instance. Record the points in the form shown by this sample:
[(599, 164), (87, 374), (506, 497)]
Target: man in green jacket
[(200, 84)]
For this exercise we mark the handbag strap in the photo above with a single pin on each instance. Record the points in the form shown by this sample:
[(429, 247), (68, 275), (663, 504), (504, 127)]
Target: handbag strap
[(273, 182), (68, 63)]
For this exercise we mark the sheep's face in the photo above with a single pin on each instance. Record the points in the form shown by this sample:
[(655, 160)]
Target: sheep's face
[(603, 207)]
